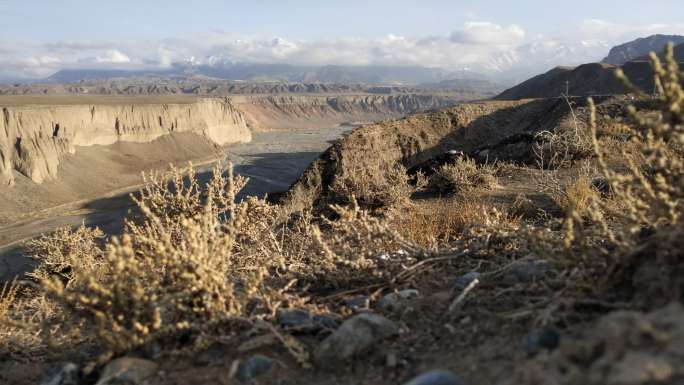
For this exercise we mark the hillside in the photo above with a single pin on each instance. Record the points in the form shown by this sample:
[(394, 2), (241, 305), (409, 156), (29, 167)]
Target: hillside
[(591, 79), (678, 54), (584, 80), (638, 48)]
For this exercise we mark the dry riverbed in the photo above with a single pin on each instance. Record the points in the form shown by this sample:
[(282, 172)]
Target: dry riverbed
[(272, 162)]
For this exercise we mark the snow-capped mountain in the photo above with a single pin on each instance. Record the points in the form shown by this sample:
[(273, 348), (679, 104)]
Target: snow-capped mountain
[(530, 59)]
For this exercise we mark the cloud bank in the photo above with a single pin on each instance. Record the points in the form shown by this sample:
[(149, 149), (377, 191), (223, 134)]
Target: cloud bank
[(480, 46)]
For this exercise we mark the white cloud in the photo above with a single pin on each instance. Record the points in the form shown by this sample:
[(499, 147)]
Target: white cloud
[(488, 33), (112, 56), (479, 45)]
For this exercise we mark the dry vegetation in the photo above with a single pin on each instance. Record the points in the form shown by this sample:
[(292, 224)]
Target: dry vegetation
[(196, 264), (462, 176)]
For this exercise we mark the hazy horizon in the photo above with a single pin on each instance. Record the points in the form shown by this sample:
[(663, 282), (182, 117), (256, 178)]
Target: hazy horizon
[(39, 38)]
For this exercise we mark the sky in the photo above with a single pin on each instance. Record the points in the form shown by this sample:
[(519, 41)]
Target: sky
[(39, 37)]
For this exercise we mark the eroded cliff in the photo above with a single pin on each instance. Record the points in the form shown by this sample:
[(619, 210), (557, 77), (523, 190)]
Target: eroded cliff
[(313, 111), (34, 136)]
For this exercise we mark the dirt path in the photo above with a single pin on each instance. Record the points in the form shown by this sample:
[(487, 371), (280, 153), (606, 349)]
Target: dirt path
[(272, 161)]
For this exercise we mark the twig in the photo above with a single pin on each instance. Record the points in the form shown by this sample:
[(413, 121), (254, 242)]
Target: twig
[(352, 291), (463, 295), (412, 268)]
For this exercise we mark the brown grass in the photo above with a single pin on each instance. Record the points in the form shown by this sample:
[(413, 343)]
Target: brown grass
[(436, 223)]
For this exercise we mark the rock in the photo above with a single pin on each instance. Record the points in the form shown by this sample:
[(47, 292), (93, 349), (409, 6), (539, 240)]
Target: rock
[(354, 336), (325, 322), (303, 321), (128, 371), (214, 353), (397, 300), (483, 155), (528, 270), (359, 303), (436, 377), (254, 367), (68, 374), (463, 281), (546, 338), (293, 318)]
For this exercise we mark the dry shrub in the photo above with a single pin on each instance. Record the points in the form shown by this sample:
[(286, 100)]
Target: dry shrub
[(176, 270), (572, 194), (463, 175), (436, 223), (381, 184), (62, 253), (358, 249), (31, 326), (372, 179), (569, 142), (641, 234), (195, 261), (652, 192)]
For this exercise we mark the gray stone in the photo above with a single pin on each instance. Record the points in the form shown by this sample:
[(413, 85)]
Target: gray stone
[(463, 281), (254, 367), (68, 374), (212, 354), (359, 303), (397, 300), (354, 336), (545, 338), (128, 371), (293, 318), (436, 377), (528, 270), (325, 322), (302, 321)]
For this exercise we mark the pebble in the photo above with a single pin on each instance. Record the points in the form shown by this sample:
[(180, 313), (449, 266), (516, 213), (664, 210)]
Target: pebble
[(354, 336), (68, 374), (436, 377), (528, 270), (463, 281), (254, 367), (397, 300), (127, 370), (545, 338)]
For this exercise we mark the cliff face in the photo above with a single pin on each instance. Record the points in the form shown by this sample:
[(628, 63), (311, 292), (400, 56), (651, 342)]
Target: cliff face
[(33, 138), (311, 111), (36, 132)]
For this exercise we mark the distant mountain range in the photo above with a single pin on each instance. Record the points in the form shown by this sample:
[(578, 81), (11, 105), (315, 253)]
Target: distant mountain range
[(397, 75), (522, 62), (509, 67)]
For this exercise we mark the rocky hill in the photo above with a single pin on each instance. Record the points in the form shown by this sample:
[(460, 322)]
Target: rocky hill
[(638, 48), (585, 80)]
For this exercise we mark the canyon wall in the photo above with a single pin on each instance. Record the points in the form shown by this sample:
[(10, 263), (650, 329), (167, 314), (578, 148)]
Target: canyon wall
[(274, 112), (33, 137), (37, 131)]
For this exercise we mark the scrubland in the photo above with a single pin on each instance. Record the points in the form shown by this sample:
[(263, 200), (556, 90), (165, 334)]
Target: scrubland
[(582, 237)]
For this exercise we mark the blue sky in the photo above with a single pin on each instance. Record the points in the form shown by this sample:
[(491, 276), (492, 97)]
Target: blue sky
[(37, 37), (48, 20)]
